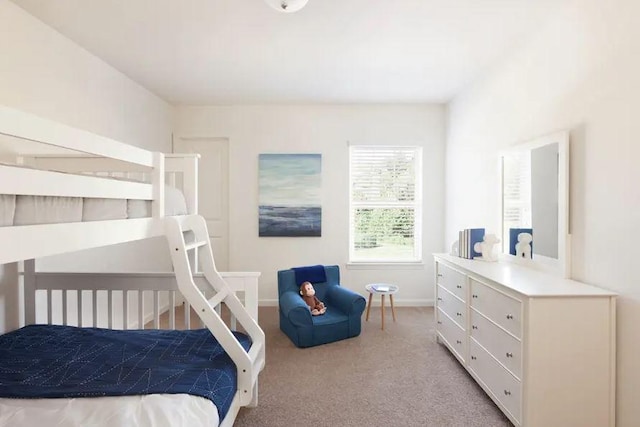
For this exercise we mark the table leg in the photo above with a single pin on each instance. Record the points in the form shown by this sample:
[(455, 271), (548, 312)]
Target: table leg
[(368, 307), (382, 311), (393, 309)]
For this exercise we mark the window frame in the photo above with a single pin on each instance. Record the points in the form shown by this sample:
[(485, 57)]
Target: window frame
[(416, 261)]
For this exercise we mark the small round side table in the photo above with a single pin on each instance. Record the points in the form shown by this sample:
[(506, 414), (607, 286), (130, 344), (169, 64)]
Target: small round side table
[(381, 289)]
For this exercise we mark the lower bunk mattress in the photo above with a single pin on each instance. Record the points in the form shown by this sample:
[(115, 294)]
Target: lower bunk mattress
[(153, 410), (55, 362)]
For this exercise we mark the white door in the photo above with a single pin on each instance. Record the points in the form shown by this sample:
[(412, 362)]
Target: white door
[(213, 189)]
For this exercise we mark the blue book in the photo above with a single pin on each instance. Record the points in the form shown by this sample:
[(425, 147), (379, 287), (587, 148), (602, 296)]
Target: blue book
[(513, 238), (475, 235)]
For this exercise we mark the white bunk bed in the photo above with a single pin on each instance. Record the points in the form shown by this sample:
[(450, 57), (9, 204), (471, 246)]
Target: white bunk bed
[(61, 170)]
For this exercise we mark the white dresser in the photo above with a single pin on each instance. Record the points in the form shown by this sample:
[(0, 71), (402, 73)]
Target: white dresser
[(541, 347)]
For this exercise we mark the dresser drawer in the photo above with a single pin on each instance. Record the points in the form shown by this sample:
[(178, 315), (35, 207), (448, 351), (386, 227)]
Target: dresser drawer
[(452, 280), (502, 345), (452, 334), (501, 308), (452, 306), (504, 386)]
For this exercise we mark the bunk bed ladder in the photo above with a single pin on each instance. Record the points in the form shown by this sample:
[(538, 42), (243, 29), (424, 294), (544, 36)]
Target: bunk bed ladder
[(249, 364)]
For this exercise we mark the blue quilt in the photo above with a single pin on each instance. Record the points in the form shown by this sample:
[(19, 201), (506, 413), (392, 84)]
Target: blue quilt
[(48, 361)]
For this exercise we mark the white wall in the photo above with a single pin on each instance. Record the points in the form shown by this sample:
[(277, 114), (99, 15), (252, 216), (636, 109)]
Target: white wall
[(321, 129), (582, 73), (44, 73)]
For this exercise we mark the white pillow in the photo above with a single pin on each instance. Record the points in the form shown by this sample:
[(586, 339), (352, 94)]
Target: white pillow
[(174, 204)]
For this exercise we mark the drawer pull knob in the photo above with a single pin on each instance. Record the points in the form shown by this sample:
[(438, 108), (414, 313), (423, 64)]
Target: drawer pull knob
[(439, 299), (507, 393), (439, 322), (458, 314), (440, 275), (473, 358), (474, 296), (474, 327), (509, 316), (459, 342), (459, 286), (509, 354)]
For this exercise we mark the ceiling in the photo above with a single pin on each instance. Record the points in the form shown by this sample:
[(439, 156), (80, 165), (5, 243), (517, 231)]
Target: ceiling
[(205, 52)]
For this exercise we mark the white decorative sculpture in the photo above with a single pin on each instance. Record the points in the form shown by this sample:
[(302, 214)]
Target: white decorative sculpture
[(486, 247), (523, 247), (454, 248)]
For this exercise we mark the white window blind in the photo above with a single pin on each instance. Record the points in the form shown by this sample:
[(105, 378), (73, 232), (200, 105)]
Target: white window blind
[(385, 203)]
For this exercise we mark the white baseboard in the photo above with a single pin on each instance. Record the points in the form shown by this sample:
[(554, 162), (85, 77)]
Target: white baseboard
[(268, 303), (375, 302), (148, 317)]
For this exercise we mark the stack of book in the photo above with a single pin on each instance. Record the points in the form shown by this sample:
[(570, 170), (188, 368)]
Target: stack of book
[(467, 239)]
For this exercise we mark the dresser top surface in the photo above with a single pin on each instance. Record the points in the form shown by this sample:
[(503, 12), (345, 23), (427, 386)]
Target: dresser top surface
[(527, 281)]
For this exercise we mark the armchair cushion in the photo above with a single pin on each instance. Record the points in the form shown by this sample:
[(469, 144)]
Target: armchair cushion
[(313, 274)]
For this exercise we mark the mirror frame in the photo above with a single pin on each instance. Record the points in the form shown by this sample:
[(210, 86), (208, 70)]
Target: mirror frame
[(562, 265)]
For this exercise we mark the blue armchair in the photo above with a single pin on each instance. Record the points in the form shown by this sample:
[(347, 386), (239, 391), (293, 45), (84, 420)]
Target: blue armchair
[(344, 307)]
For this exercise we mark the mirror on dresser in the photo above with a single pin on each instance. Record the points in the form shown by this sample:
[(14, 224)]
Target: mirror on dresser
[(535, 204)]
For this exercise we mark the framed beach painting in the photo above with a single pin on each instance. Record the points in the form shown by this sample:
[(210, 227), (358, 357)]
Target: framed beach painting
[(289, 204)]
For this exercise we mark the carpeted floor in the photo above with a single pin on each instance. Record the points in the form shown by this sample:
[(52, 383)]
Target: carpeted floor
[(396, 377)]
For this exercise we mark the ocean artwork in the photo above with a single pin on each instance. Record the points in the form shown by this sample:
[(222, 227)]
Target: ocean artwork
[(290, 195)]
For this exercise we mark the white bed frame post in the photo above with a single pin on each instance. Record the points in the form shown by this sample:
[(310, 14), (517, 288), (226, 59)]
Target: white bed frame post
[(9, 297), (29, 292), (157, 180)]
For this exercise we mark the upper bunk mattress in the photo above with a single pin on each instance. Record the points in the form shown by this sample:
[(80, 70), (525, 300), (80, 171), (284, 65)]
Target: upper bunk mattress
[(52, 361), (30, 210)]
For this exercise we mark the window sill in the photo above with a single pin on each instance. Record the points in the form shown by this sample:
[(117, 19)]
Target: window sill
[(418, 265)]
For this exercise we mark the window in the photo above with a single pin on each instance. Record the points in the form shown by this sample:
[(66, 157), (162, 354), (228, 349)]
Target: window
[(385, 195)]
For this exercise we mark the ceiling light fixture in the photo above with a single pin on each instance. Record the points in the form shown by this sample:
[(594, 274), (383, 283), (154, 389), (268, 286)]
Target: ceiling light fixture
[(287, 6)]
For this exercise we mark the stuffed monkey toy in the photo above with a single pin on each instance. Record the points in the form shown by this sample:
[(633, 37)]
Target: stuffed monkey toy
[(309, 296)]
